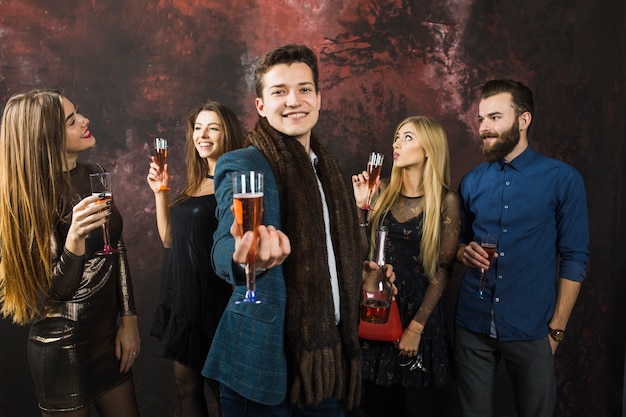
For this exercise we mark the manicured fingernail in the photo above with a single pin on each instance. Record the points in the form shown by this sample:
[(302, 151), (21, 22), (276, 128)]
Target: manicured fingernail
[(109, 202), (101, 196)]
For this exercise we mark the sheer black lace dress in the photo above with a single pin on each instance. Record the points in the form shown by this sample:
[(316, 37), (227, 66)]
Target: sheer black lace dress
[(380, 359)]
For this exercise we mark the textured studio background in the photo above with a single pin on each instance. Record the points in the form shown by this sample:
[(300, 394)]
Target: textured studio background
[(137, 67)]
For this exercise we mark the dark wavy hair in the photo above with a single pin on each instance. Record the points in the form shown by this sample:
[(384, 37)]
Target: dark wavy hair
[(232, 137), (286, 54)]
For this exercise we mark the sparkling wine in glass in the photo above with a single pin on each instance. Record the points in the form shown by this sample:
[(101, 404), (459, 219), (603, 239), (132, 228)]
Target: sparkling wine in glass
[(489, 243), (374, 168), (101, 184), (160, 157), (248, 208)]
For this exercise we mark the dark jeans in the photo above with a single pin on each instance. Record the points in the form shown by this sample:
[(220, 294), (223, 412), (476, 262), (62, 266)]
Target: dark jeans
[(235, 405), (530, 365)]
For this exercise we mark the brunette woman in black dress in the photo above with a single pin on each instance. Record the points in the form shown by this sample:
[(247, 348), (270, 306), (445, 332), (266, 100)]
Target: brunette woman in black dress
[(191, 296)]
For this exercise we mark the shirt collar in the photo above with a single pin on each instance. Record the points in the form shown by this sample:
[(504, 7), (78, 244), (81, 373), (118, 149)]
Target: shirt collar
[(314, 158), (521, 161)]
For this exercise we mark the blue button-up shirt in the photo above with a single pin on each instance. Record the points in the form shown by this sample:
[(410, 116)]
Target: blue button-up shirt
[(538, 207)]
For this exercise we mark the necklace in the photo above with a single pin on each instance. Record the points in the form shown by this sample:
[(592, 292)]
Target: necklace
[(412, 197)]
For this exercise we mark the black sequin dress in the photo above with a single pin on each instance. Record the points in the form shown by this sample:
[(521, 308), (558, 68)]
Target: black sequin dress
[(191, 297), (71, 348), (380, 359)]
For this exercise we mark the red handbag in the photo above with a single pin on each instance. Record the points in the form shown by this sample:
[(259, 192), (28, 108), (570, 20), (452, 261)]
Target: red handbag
[(387, 332)]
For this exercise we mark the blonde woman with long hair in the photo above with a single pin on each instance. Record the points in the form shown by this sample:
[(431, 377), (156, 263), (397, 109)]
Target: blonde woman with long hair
[(422, 215), (50, 275)]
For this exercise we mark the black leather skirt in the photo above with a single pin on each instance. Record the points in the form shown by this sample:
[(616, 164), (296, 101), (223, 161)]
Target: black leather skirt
[(71, 350)]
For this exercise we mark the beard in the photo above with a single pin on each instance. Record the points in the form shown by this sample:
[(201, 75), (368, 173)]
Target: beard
[(503, 145)]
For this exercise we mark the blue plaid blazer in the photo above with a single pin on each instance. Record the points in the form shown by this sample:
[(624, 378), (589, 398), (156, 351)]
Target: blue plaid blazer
[(247, 353)]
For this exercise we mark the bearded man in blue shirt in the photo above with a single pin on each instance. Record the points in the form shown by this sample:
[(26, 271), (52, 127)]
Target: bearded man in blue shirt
[(538, 208)]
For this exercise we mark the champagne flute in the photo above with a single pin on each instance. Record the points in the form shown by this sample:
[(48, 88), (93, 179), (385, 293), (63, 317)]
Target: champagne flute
[(101, 184), (160, 156), (489, 243), (248, 208), (374, 167)]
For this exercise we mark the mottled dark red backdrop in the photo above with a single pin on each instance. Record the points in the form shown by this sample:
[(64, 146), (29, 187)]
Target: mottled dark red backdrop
[(137, 67)]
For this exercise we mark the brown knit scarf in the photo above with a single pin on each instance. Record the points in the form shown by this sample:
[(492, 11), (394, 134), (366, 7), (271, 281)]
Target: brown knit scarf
[(323, 359)]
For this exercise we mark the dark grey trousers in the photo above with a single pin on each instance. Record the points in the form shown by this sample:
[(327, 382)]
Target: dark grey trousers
[(530, 366)]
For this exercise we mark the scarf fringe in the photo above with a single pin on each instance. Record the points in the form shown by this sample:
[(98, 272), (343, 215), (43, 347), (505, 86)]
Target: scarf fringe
[(317, 378)]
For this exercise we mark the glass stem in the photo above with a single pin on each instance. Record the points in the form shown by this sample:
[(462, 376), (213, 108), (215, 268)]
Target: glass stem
[(251, 279), (105, 237)]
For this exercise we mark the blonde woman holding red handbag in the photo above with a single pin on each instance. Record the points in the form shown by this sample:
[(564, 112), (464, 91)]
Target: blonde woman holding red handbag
[(422, 215)]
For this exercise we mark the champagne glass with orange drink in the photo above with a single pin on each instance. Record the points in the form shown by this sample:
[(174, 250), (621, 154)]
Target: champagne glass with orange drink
[(160, 157), (101, 185), (374, 168), (489, 243), (248, 209)]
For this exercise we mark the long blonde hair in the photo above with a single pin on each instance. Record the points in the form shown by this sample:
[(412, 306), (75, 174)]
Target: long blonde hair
[(32, 152), (435, 180)]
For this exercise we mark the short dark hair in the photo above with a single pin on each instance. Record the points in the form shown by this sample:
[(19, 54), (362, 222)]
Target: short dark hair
[(286, 54), (521, 95)]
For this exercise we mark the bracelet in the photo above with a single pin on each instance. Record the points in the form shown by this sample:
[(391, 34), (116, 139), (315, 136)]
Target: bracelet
[(413, 331)]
